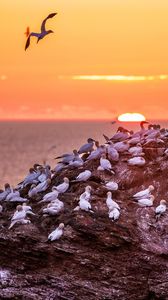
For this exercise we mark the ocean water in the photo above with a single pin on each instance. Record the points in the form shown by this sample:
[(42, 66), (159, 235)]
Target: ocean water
[(24, 143)]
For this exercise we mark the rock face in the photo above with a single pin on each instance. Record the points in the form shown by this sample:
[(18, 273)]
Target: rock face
[(95, 258)]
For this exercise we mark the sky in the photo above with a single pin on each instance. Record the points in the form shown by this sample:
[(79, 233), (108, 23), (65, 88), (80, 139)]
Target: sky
[(105, 58)]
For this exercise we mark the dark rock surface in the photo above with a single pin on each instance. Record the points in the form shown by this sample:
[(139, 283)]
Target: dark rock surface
[(95, 258)]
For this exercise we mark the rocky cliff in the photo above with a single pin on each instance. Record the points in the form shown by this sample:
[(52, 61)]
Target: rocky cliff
[(95, 258)]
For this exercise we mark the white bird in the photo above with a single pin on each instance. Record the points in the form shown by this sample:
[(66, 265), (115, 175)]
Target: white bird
[(161, 208), (136, 150), (95, 154), (112, 152), (136, 161), (110, 202), (6, 192), (50, 196), (54, 208), (43, 32), (41, 187), (63, 187), (60, 166), (12, 194), (114, 213), (111, 186), (122, 146), (88, 147), (57, 233), (19, 216), (146, 202), (84, 204), (105, 164), (26, 207), (87, 193), (144, 193), (83, 176)]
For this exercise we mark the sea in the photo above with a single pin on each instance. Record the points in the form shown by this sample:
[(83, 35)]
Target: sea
[(24, 143)]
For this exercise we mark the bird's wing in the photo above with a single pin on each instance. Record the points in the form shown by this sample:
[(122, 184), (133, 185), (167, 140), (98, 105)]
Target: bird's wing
[(44, 21), (28, 40)]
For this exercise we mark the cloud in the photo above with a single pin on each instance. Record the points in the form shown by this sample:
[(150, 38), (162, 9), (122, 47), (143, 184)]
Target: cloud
[(126, 78)]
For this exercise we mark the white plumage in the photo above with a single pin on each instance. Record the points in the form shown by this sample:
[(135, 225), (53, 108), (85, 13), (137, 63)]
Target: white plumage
[(146, 202), (110, 202), (114, 214), (111, 186), (57, 233), (144, 193), (137, 161), (161, 208), (83, 176), (63, 187)]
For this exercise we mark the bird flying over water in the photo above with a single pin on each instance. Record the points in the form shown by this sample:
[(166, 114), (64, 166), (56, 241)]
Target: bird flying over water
[(43, 32)]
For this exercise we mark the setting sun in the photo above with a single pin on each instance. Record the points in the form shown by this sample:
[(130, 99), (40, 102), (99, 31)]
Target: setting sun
[(131, 117)]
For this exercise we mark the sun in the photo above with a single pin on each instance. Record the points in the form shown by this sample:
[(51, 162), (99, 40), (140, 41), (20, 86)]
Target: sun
[(131, 117)]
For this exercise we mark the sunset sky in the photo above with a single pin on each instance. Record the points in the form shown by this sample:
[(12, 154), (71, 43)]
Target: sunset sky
[(105, 58)]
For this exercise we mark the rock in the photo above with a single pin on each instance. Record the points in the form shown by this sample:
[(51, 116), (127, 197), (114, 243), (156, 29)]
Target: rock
[(95, 258)]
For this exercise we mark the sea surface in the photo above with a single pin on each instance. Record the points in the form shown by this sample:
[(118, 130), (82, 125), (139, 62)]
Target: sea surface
[(24, 143)]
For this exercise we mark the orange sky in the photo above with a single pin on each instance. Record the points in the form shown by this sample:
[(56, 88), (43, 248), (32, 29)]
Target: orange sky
[(91, 37)]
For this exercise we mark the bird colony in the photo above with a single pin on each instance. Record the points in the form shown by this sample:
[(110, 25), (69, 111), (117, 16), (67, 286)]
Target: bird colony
[(92, 172)]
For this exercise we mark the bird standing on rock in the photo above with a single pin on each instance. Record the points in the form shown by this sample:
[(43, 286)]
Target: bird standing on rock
[(160, 209), (43, 32), (144, 193), (57, 233)]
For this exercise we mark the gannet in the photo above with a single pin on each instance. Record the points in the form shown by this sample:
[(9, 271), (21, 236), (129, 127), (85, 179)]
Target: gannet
[(136, 150), (87, 147), (59, 167), (84, 204), (112, 152), (41, 187), (120, 135), (68, 157), (19, 216), (95, 154), (77, 161), (87, 193), (57, 233), (50, 196), (122, 146), (142, 131), (54, 208), (114, 213), (26, 207), (161, 208), (144, 193), (43, 176), (111, 186), (105, 164), (146, 202), (110, 202), (83, 176), (6, 192), (43, 32), (12, 194), (137, 161), (63, 187), (32, 177)]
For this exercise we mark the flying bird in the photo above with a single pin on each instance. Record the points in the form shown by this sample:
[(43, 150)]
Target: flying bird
[(27, 32), (43, 32)]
